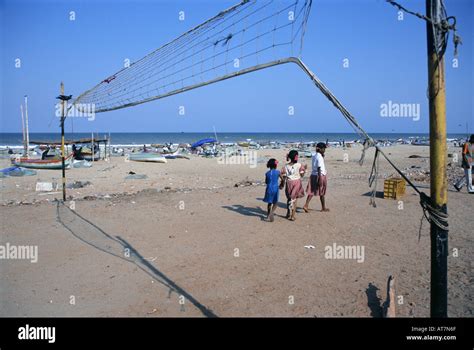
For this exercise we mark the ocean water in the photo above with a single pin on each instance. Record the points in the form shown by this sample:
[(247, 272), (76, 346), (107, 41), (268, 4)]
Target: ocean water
[(15, 139)]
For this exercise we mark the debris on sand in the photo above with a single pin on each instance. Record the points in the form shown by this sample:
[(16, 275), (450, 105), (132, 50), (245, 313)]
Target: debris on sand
[(135, 176), (109, 168), (247, 182), (78, 184)]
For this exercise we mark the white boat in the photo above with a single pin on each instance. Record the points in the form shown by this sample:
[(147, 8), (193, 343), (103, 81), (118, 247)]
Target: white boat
[(147, 157)]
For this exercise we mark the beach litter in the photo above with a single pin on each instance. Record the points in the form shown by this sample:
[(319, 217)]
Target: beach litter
[(309, 246), (134, 176), (78, 184), (17, 171), (247, 182), (108, 168), (152, 312), (46, 186), (48, 193)]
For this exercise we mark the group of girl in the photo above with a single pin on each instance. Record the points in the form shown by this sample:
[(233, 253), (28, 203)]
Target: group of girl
[(290, 178)]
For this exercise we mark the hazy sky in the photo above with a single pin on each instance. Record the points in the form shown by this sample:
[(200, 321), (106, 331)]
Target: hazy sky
[(387, 62)]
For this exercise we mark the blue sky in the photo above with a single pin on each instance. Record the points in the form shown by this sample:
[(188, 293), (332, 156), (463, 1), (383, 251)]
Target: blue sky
[(387, 61)]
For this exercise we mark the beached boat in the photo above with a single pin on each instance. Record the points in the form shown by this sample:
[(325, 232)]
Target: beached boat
[(49, 164), (147, 157), (89, 158), (174, 155), (420, 143)]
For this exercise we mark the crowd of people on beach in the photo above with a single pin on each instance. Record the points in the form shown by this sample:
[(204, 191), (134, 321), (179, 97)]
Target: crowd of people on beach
[(290, 178)]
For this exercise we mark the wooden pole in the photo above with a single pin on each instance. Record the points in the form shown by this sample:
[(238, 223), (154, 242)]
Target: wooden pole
[(63, 154), (98, 144), (92, 147), (389, 310), (438, 158)]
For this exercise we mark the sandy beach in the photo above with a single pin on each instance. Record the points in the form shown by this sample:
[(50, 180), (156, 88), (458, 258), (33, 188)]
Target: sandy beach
[(190, 240)]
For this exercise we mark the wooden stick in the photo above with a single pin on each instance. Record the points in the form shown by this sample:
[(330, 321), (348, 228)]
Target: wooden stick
[(389, 309)]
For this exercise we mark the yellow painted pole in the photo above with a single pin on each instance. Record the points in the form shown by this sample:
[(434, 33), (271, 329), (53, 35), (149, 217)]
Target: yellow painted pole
[(438, 167)]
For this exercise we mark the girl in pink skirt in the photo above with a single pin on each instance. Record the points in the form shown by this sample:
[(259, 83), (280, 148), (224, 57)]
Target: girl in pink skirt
[(291, 175)]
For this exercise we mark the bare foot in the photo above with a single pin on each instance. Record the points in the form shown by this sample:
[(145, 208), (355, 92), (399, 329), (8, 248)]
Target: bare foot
[(306, 210), (325, 209), (271, 218)]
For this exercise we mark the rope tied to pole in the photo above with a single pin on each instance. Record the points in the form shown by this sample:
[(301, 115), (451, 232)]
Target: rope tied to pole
[(368, 142), (433, 214), (443, 25), (373, 177)]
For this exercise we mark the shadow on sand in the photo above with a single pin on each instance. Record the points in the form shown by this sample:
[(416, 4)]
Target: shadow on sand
[(373, 301), (378, 194), (279, 204), (94, 236), (247, 211)]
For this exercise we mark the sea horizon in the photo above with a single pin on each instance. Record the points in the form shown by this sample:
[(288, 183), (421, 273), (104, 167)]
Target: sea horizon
[(14, 139)]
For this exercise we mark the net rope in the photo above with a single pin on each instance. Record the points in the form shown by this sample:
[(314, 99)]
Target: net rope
[(246, 37)]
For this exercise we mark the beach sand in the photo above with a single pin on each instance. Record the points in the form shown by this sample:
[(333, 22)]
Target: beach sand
[(186, 241)]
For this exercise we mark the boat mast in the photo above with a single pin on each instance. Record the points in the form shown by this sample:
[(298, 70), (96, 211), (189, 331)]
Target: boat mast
[(25, 148), (27, 131), (215, 134)]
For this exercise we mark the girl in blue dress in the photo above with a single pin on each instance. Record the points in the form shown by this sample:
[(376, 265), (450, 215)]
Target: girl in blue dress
[(272, 190)]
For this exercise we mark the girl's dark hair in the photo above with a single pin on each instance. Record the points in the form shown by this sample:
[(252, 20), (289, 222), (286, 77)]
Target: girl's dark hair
[(292, 155), (272, 163)]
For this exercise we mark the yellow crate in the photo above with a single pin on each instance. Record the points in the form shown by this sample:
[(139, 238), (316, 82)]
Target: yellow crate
[(394, 188)]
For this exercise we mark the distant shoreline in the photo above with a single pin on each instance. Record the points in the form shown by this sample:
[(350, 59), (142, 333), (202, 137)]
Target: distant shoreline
[(141, 138)]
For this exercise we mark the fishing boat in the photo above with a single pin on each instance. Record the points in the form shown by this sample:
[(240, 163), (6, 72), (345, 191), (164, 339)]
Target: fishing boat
[(174, 155), (147, 157), (89, 158), (420, 142), (48, 164)]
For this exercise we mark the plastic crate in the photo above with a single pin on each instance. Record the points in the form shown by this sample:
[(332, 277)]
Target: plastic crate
[(394, 188)]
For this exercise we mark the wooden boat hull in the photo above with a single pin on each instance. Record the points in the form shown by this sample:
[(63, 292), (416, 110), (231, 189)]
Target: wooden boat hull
[(48, 164)]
